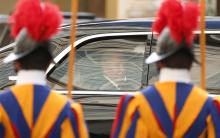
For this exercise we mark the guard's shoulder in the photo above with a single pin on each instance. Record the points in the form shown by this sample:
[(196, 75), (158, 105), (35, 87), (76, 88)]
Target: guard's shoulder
[(73, 105), (200, 91), (148, 90), (59, 97), (129, 97), (216, 101), (69, 105), (5, 94), (217, 98), (135, 97), (130, 100)]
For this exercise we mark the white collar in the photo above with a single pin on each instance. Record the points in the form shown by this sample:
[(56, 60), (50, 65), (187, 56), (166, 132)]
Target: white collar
[(177, 75), (31, 77)]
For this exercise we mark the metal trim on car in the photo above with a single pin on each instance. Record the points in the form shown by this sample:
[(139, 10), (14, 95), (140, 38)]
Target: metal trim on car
[(112, 93), (208, 32), (5, 48)]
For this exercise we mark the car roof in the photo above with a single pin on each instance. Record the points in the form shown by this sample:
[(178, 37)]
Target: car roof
[(81, 17), (211, 22)]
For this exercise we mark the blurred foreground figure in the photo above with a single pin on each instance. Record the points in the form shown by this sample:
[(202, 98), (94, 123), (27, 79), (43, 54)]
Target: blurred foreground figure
[(172, 107), (30, 108)]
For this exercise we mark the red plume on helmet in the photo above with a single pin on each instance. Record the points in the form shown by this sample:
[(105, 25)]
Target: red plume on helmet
[(180, 18), (175, 24), (40, 19), (33, 23)]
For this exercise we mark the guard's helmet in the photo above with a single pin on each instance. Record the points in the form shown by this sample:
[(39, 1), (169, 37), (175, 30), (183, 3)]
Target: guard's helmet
[(32, 24), (174, 25)]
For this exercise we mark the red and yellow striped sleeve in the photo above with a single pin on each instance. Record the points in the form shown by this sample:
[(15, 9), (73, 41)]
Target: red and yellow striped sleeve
[(66, 129), (210, 128), (214, 119), (74, 125), (6, 130), (127, 119)]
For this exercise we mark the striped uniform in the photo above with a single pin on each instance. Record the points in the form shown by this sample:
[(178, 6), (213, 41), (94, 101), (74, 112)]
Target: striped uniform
[(34, 111), (167, 109)]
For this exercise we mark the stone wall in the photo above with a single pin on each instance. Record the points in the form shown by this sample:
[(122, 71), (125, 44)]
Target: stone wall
[(148, 8), (117, 9), (7, 6), (138, 8)]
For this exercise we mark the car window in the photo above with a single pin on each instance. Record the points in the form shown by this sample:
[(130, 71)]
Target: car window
[(110, 64), (212, 64)]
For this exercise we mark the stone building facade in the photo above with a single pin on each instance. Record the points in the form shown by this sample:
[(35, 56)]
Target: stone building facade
[(115, 9)]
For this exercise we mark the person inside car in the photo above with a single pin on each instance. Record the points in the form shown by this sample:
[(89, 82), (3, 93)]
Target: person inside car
[(173, 106), (31, 108)]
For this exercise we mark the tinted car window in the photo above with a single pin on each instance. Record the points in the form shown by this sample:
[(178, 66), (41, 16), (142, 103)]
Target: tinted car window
[(113, 64)]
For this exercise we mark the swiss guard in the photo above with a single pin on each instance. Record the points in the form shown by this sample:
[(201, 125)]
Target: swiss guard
[(31, 108), (173, 106)]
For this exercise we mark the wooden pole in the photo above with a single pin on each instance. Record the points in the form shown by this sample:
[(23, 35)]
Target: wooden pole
[(203, 44), (111, 9), (74, 9)]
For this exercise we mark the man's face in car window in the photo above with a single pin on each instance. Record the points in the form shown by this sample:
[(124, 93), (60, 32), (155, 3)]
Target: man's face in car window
[(113, 67)]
